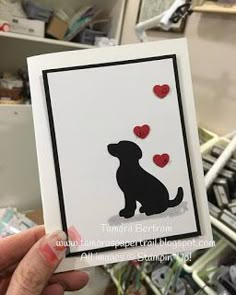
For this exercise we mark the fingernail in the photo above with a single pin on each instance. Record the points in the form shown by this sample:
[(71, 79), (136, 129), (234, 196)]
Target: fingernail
[(74, 235), (53, 248)]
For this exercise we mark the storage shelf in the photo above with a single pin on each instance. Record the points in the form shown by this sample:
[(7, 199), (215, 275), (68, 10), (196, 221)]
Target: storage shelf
[(16, 48), (213, 7), (45, 40), (11, 102)]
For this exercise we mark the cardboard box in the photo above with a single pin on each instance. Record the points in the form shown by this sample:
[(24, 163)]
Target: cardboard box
[(57, 28), (36, 216), (27, 26)]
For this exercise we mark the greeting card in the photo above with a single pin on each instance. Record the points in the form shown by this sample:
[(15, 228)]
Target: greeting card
[(118, 152)]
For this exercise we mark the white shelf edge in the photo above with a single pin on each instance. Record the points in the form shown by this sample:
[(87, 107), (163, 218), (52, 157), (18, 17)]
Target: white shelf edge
[(16, 105), (45, 40)]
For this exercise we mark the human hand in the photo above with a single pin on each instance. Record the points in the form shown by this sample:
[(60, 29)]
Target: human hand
[(28, 261)]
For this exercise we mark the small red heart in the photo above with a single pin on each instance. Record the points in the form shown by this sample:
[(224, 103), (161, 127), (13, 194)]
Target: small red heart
[(142, 131), (161, 160), (161, 90)]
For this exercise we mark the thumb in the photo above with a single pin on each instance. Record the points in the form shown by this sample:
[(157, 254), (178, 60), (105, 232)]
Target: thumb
[(35, 269)]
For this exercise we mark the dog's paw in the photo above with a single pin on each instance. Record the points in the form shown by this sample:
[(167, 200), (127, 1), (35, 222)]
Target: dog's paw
[(126, 214), (150, 213)]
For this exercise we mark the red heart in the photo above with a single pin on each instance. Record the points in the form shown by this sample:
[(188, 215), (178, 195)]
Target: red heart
[(161, 90), (142, 131), (161, 160)]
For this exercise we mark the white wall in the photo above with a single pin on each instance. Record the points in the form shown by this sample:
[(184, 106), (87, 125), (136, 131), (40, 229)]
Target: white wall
[(19, 180), (212, 40)]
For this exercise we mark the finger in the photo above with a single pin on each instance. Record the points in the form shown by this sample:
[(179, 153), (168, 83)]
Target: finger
[(71, 281), (13, 248), (33, 272), (8, 272), (55, 289), (4, 285)]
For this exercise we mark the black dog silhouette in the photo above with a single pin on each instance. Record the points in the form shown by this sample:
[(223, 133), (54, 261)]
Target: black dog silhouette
[(138, 185)]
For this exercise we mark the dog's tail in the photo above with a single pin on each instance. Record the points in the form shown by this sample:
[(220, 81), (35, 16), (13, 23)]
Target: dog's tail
[(178, 199)]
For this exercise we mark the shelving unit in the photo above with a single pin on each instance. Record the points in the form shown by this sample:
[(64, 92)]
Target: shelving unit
[(15, 48), (44, 40), (17, 134), (214, 7)]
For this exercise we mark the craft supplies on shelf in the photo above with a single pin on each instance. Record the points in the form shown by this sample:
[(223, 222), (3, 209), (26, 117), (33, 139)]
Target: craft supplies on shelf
[(60, 25), (11, 88), (35, 10), (223, 223), (12, 222), (208, 265), (131, 275)]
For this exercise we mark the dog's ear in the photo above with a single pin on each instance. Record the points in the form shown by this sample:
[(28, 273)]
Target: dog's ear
[(129, 149), (139, 153)]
